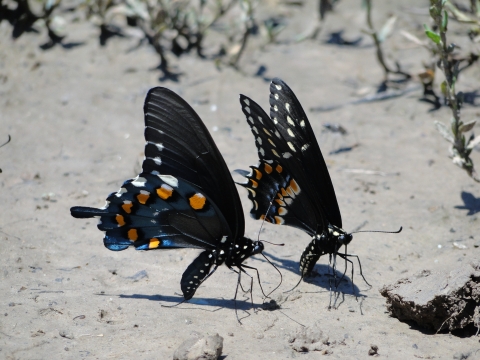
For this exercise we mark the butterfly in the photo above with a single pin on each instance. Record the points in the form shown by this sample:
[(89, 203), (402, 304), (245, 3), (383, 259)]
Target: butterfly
[(291, 184), (185, 196)]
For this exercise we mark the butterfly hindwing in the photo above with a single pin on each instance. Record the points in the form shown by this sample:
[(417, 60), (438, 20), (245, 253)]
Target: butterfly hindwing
[(156, 212), (278, 198)]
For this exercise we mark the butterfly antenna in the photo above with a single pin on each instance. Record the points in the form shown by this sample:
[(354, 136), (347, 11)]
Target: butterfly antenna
[(5, 143), (379, 231), (281, 276), (261, 227)]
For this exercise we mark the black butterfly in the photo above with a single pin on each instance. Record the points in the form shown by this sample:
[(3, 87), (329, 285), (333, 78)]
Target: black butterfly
[(184, 198), (291, 185)]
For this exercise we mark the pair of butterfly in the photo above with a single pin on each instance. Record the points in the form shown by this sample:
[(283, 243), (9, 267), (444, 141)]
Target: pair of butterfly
[(186, 198)]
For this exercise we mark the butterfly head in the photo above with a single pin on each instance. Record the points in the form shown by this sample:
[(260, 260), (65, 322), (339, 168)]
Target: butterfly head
[(258, 247), (344, 238), (341, 236)]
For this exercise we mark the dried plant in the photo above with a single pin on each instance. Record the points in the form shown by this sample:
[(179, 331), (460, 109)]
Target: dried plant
[(23, 15), (378, 38), (460, 146)]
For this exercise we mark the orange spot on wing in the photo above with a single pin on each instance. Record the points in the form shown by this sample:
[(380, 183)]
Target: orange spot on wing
[(154, 243), (258, 174), (164, 191), (120, 220), (262, 217), (284, 193), (197, 201), (254, 183), (143, 197), (132, 234), (294, 186), (280, 196), (268, 168), (279, 168), (279, 220), (290, 192), (280, 202), (127, 207)]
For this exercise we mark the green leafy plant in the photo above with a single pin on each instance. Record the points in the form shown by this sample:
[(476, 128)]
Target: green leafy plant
[(461, 146)]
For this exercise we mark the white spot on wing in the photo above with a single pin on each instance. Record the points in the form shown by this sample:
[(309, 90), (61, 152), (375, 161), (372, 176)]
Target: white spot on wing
[(290, 132), (246, 101), (247, 109), (278, 87), (169, 179), (302, 123), (290, 121), (157, 160), (139, 181), (262, 152), (305, 147), (255, 129), (276, 96), (290, 145), (121, 191), (287, 106), (287, 155), (275, 153), (275, 107), (275, 121), (259, 140)]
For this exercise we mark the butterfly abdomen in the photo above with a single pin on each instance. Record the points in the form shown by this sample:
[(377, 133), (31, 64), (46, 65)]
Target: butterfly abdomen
[(196, 273), (310, 256)]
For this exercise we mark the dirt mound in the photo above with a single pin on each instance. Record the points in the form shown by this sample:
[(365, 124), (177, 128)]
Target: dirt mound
[(441, 300)]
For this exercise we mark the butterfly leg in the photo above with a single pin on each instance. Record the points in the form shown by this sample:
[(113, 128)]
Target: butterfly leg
[(236, 291), (333, 267), (359, 264), (343, 275), (241, 268)]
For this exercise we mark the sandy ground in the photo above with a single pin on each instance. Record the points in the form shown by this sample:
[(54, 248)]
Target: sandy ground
[(76, 121)]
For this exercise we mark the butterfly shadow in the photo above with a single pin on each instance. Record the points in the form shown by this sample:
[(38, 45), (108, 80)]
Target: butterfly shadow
[(470, 203), (217, 303), (322, 275)]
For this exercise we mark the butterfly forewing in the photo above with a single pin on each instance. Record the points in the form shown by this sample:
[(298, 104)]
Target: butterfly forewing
[(295, 128), (179, 144)]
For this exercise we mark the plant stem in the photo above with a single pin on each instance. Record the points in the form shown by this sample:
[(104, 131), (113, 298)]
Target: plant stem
[(460, 151)]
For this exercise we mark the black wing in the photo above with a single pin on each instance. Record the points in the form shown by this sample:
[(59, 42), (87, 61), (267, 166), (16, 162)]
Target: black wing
[(179, 144), (294, 127), (286, 137), (158, 212)]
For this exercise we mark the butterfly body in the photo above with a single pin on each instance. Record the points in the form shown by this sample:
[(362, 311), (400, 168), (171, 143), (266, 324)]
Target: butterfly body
[(184, 198), (291, 184)]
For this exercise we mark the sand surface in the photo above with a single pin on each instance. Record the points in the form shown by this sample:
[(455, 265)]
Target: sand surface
[(76, 121)]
